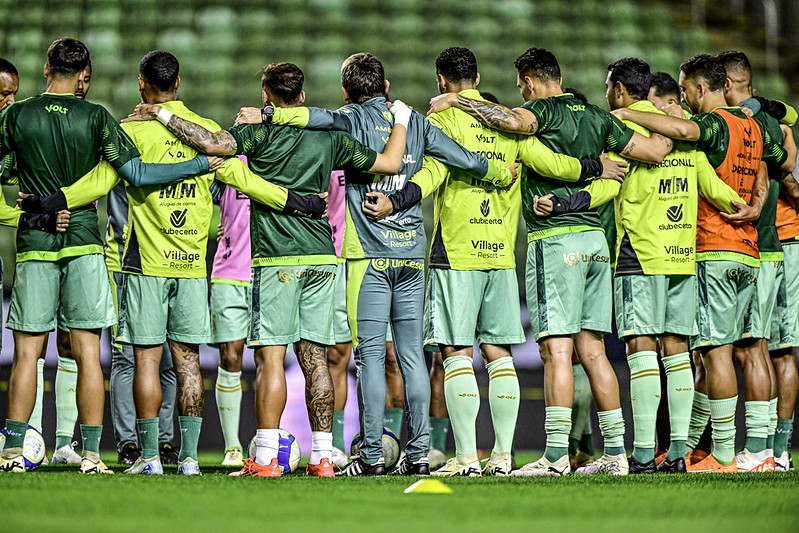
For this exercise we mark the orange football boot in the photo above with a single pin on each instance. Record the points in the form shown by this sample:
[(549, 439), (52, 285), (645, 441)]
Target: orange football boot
[(323, 469), (251, 468), (709, 465)]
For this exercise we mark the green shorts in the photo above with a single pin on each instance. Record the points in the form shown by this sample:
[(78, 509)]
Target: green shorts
[(787, 312), (341, 326), (568, 283), (654, 305), (153, 309), (463, 303), (74, 288), (724, 290), (230, 312), (290, 303), (757, 321)]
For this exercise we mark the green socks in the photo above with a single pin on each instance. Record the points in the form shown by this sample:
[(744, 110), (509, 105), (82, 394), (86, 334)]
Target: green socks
[(91, 438), (612, 425), (438, 433), (392, 419), (645, 396), (189, 436), (558, 425), (148, 435), (503, 398), (15, 434), (722, 419), (338, 431), (228, 403), (782, 435), (463, 402), (700, 413), (66, 406), (35, 419), (772, 423), (757, 421), (680, 387)]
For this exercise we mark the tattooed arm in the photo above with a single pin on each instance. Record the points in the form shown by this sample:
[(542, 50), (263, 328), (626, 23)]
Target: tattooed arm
[(648, 149), (496, 116), (196, 136)]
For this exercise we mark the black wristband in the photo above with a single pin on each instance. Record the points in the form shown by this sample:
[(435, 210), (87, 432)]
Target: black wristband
[(579, 201), (37, 221), (311, 205), (591, 168), (773, 107), (44, 204), (267, 113), (409, 195)]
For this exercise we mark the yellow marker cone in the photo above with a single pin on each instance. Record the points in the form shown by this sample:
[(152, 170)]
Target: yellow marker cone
[(428, 486)]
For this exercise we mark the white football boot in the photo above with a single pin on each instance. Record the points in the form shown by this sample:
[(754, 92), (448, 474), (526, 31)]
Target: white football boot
[(188, 467), (233, 457), (66, 455), (461, 465), (545, 467), (150, 466), (616, 465), (499, 464)]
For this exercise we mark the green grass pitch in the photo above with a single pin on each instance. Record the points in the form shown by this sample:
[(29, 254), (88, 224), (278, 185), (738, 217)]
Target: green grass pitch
[(57, 498)]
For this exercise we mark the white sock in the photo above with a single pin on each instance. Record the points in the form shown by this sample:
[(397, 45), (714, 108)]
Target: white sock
[(267, 441), (321, 446)]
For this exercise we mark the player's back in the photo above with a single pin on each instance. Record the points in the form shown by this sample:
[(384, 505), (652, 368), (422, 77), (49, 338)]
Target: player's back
[(568, 126), (303, 161), (168, 226), (734, 145), (57, 138), (475, 224)]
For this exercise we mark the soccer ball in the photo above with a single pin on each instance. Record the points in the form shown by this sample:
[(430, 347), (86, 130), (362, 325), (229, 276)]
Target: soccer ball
[(391, 447), (288, 452), (32, 447)]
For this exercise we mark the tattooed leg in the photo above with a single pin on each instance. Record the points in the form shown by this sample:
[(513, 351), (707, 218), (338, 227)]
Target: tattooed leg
[(270, 386), (186, 359), (318, 384), (147, 380)]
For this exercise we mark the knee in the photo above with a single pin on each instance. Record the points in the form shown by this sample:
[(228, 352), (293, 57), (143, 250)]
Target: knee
[(230, 361)]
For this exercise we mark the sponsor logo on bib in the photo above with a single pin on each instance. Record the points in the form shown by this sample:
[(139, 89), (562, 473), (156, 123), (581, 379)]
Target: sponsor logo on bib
[(674, 213), (178, 218)]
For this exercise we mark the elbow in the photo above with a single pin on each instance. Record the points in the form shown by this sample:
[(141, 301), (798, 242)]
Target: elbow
[(789, 165)]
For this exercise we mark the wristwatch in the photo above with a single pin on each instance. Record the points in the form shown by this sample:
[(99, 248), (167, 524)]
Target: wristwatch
[(267, 112)]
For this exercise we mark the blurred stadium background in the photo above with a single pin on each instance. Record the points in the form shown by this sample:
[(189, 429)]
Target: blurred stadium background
[(223, 45)]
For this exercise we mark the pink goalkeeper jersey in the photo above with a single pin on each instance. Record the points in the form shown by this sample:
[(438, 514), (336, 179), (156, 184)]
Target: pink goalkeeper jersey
[(336, 208), (232, 260)]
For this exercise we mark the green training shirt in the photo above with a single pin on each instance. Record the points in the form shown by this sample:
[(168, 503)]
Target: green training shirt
[(572, 127), (56, 139), (768, 242), (302, 160)]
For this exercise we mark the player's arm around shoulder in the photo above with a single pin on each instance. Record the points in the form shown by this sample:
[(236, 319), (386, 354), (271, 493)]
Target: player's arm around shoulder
[(199, 137)]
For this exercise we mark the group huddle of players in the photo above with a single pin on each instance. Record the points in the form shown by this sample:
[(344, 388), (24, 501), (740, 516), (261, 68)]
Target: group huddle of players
[(322, 246)]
